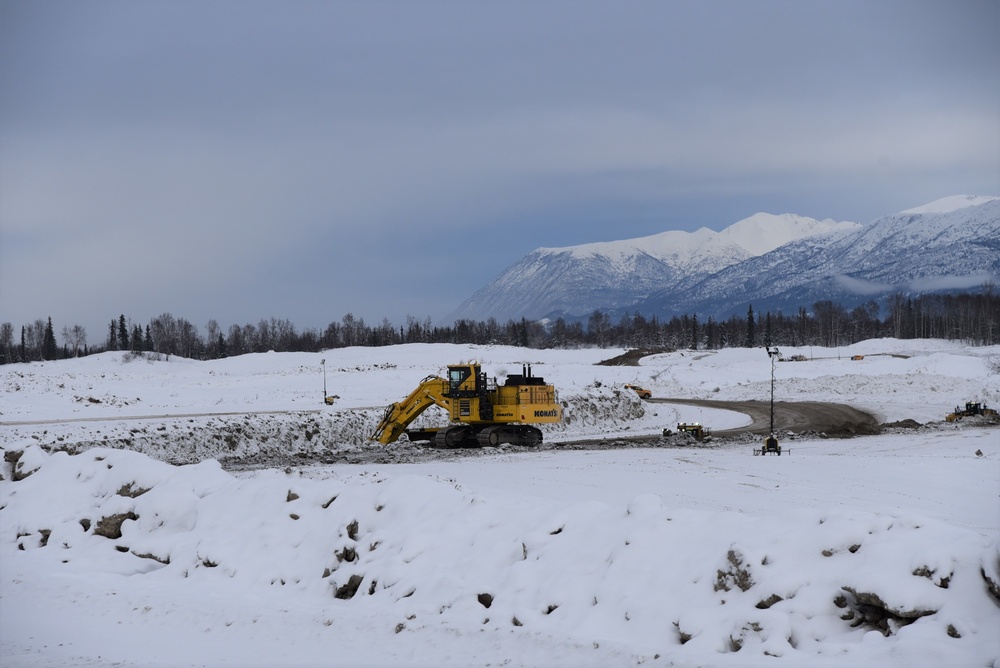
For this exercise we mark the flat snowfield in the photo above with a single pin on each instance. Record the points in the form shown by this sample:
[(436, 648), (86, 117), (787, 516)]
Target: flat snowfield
[(136, 528)]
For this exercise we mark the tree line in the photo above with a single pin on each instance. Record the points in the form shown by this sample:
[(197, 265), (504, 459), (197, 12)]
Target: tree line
[(971, 318)]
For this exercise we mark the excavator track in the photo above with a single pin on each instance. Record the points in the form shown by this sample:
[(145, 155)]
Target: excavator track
[(455, 436), (512, 434)]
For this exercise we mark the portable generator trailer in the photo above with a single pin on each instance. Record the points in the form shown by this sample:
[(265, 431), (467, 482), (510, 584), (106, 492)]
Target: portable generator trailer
[(770, 447)]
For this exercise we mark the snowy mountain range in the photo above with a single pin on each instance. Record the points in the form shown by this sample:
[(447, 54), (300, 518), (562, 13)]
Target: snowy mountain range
[(776, 262)]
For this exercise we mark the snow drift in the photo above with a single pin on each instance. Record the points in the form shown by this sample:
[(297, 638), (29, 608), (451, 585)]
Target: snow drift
[(875, 551)]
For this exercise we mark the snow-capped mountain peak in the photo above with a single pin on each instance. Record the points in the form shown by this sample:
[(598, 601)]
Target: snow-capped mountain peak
[(950, 204), (763, 232), (617, 274), (758, 234), (662, 245), (951, 244), (774, 261)]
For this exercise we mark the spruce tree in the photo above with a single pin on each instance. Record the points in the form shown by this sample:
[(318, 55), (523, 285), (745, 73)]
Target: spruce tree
[(49, 348), (137, 339), (122, 333), (751, 329)]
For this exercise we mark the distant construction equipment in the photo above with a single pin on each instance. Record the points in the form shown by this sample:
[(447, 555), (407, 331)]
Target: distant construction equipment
[(696, 429), (641, 391), (971, 408)]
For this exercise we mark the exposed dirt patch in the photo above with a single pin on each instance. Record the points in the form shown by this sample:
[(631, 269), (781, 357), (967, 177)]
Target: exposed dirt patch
[(868, 609), (902, 424), (632, 357), (111, 526)]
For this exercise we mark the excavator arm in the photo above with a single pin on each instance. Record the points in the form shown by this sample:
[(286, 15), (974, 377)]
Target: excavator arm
[(398, 417)]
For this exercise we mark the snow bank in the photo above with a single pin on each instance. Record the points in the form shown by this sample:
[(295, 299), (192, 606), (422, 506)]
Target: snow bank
[(336, 436), (412, 554), (123, 541)]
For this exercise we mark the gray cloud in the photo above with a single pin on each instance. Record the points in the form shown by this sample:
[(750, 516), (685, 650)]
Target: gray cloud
[(242, 160)]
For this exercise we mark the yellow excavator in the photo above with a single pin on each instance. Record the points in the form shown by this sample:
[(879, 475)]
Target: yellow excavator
[(481, 412)]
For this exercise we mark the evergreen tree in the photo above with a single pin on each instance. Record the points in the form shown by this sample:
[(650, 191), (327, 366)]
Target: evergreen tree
[(751, 329), (122, 333), (768, 334), (7, 342), (137, 339), (113, 336), (711, 343), (49, 348), (147, 341), (694, 332)]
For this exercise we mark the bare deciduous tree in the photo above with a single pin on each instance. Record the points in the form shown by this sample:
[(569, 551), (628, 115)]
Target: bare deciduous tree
[(74, 338)]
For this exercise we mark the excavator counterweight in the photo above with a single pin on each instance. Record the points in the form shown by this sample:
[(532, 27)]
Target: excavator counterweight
[(481, 411)]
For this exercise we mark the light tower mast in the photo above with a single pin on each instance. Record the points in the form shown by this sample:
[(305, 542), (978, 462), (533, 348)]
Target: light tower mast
[(771, 442)]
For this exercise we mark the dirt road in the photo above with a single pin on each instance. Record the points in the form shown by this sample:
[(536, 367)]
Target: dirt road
[(797, 416)]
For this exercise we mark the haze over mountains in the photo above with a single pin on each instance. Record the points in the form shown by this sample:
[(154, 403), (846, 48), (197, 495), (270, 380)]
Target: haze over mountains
[(776, 262)]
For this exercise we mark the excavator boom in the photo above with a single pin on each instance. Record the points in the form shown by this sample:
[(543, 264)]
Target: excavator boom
[(398, 417)]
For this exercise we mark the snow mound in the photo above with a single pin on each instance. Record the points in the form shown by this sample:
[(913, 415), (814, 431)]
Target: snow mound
[(270, 439), (413, 553)]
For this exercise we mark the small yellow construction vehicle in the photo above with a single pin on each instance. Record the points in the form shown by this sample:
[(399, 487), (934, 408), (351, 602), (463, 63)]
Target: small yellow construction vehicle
[(481, 411), (697, 430), (971, 408), (641, 391)]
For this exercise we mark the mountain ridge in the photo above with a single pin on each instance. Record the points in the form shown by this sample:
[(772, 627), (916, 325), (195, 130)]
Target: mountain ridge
[(619, 274), (784, 260)]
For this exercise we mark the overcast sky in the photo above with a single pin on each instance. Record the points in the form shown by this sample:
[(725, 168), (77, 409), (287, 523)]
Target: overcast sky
[(250, 159)]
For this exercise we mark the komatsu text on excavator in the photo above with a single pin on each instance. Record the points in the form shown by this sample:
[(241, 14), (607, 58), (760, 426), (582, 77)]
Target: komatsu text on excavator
[(481, 411)]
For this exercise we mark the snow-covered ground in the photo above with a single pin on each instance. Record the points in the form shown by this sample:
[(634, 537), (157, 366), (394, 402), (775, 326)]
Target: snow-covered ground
[(872, 551)]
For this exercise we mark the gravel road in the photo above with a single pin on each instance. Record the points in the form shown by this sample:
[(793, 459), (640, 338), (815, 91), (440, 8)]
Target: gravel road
[(797, 416)]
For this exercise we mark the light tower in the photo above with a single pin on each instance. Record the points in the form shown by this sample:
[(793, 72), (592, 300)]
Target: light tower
[(771, 442), (327, 399)]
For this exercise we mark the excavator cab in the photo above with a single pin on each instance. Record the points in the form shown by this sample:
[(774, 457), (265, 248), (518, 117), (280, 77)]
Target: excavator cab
[(457, 377)]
